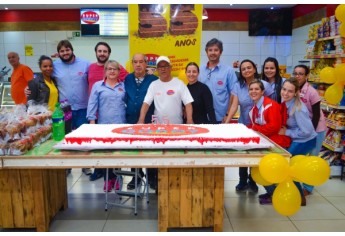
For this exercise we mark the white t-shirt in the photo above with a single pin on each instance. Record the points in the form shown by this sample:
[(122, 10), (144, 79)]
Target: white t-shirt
[(168, 98)]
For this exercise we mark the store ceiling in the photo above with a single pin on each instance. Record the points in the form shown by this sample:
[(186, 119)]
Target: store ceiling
[(77, 6)]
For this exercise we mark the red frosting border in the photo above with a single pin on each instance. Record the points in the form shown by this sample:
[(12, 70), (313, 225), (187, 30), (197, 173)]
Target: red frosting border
[(162, 140)]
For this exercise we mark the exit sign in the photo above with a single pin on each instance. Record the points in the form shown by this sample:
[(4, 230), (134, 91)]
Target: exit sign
[(76, 34)]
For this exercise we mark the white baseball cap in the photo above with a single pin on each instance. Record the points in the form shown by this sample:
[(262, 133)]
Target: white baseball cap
[(162, 58)]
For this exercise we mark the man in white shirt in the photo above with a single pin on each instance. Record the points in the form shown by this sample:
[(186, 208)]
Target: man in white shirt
[(168, 93)]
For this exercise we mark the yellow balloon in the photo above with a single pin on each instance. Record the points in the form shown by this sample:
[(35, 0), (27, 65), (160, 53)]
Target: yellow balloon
[(327, 75), (295, 159), (312, 170), (255, 173), (293, 162), (342, 29), (334, 94), (339, 72), (340, 13), (274, 168), (182, 76), (286, 198)]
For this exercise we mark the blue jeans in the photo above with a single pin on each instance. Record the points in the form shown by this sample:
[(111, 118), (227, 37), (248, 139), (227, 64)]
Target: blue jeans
[(315, 152), (319, 139), (78, 118)]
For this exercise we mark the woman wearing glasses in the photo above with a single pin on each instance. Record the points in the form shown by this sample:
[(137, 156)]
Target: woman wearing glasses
[(240, 97), (203, 111), (107, 105), (310, 97)]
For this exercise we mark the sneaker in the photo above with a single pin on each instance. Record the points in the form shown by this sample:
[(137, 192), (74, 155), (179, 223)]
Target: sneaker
[(265, 195), (108, 184), (86, 171), (131, 184), (253, 187), (241, 187), (117, 185), (265, 201), (96, 175)]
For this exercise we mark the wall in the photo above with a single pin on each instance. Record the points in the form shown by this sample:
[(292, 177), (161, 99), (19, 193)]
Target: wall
[(237, 46), (228, 27)]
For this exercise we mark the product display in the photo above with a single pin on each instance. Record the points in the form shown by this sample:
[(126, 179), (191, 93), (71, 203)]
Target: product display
[(151, 136), (22, 129)]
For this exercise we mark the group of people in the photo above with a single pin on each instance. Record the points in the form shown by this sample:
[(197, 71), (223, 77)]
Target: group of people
[(285, 110)]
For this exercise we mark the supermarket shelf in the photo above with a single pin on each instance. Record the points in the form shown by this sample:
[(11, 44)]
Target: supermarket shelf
[(323, 39), (317, 81), (325, 56), (332, 106), (332, 148)]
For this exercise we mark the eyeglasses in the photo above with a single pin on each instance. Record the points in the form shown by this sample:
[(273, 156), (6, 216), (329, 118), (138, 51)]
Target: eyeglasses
[(111, 69), (162, 67), (298, 74)]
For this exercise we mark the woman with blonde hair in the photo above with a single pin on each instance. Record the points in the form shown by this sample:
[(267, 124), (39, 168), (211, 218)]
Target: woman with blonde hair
[(299, 126), (107, 105)]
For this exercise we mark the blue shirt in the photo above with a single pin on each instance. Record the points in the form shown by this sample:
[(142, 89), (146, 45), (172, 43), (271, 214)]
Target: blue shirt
[(245, 102), (220, 81), (135, 95), (299, 126), (108, 103), (274, 95), (72, 82)]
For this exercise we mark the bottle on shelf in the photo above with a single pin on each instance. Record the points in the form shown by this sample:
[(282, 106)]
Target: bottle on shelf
[(58, 123)]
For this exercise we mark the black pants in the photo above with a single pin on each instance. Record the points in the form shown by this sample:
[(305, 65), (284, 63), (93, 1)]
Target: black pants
[(245, 177)]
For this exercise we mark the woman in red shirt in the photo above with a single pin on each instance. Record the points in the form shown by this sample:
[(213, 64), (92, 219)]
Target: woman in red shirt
[(267, 117)]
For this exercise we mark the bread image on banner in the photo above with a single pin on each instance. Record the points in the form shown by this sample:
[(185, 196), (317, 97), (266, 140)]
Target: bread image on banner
[(182, 20), (151, 22)]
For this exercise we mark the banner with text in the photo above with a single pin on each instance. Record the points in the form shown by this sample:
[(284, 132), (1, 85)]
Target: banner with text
[(172, 30)]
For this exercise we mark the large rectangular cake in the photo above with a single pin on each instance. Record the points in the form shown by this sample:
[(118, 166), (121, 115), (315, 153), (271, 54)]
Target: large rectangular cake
[(157, 136)]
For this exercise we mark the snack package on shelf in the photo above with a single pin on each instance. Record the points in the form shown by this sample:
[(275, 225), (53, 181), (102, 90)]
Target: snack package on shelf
[(333, 138)]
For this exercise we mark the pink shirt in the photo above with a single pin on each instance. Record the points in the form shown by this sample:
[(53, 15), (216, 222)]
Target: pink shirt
[(309, 97), (96, 73)]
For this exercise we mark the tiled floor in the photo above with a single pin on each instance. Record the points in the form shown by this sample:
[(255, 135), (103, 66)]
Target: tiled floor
[(325, 210)]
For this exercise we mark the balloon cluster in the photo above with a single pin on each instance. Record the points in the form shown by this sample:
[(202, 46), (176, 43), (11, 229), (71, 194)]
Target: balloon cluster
[(275, 169), (340, 15), (335, 76)]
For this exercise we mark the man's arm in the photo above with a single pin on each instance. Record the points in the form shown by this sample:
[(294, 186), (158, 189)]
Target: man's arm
[(189, 113), (233, 106), (27, 91), (143, 111)]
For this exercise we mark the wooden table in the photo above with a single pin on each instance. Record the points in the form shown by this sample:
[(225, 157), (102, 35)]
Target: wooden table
[(191, 182)]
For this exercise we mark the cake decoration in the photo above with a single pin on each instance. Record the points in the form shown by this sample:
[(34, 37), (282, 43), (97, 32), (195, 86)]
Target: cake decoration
[(154, 136)]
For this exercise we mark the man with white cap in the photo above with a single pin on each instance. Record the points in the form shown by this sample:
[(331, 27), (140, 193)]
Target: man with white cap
[(168, 93)]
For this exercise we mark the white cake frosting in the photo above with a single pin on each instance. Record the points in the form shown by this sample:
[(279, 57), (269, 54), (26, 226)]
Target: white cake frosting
[(162, 136)]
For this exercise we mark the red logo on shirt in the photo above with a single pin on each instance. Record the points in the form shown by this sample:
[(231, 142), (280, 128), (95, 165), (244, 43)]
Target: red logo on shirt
[(170, 92), (120, 89), (80, 73), (220, 82)]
